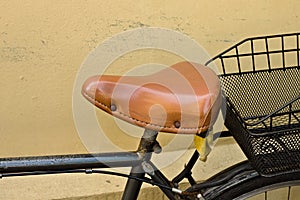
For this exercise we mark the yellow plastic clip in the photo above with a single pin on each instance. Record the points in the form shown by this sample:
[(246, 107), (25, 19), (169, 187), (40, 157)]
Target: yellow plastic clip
[(204, 145)]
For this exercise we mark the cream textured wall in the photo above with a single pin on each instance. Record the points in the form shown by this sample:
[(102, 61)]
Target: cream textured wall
[(43, 43)]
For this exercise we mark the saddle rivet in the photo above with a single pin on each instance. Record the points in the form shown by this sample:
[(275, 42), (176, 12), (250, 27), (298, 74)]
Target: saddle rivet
[(113, 107), (177, 124)]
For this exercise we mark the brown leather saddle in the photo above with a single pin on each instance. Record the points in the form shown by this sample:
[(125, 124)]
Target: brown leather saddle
[(182, 98)]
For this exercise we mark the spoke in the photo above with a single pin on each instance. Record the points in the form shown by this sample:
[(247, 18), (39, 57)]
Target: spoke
[(266, 195)]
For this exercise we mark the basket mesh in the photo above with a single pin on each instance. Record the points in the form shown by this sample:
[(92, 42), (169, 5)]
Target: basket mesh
[(261, 82), (256, 95)]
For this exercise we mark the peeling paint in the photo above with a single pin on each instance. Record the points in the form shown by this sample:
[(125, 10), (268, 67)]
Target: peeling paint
[(15, 54)]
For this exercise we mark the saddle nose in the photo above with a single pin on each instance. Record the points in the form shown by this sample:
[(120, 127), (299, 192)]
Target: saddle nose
[(182, 98)]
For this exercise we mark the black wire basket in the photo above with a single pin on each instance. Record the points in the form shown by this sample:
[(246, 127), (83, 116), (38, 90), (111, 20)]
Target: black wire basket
[(260, 77)]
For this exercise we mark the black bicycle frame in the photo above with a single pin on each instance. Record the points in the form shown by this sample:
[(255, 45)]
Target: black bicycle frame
[(68, 162), (139, 161)]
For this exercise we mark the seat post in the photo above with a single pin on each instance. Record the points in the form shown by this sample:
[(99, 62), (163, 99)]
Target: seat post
[(147, 145)]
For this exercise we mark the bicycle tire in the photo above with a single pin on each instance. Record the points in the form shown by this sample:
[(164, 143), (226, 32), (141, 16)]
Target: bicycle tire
[(261, 185)]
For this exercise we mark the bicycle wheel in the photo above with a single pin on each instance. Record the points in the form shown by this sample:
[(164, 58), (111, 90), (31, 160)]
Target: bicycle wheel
[(279, 187)]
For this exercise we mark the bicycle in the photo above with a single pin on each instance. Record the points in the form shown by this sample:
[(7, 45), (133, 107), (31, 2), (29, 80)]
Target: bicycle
[(267, 128)]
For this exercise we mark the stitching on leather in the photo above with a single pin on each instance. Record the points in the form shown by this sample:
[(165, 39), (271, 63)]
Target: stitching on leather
[(155, 125)]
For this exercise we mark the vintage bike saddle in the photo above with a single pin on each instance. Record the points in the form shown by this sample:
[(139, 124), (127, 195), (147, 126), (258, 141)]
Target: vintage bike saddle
[(182, 98)]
